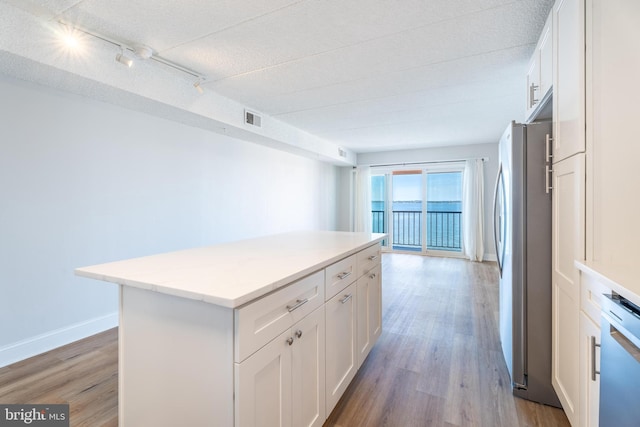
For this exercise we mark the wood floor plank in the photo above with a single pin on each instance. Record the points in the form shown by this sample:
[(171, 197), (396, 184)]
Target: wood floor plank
[(438, 361)]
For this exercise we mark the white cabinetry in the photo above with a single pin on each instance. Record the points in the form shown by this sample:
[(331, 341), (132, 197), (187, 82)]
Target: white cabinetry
[(540, 72), (591, 291), (594, 85), (339, 275), (341, 359), (613, 172), (354, 320), (202, 342), (282, 384), (569, 197), (369, 291), (589, 371), (568, 245), (308, 373), (263, 386), (568, 78), (297, 378)]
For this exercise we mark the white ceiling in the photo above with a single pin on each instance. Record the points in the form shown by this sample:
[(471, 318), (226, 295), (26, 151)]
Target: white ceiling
[(369, 75)]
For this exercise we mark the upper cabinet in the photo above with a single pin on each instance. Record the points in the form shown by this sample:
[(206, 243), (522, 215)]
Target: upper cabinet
[(568, 78), (613, 67), (540, 74)]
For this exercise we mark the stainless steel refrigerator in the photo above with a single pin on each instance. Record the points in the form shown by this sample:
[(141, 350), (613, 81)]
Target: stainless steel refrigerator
[(522, 234)]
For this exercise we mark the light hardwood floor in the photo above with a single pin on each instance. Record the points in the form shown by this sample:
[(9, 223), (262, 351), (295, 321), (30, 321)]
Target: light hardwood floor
[(437, 363)]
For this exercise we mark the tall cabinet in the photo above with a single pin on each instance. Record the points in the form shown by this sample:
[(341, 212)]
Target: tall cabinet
[(595, 177), (569, 154)]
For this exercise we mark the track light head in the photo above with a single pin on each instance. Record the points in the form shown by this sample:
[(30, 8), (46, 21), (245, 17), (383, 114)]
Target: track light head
[(125, 60), (198, 86)]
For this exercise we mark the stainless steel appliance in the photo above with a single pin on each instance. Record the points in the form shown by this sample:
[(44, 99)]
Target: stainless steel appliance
[(522, 234), (619, 363)]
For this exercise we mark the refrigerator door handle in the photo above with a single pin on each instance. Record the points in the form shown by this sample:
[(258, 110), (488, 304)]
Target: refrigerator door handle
[(497, 221)]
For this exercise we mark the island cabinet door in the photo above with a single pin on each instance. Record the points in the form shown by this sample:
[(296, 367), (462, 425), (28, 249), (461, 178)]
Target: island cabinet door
[(263, 385), (308, 377), (341, 355), (369, 319)]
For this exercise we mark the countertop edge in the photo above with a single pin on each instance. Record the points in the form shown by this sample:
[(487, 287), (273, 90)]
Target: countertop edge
[(614, 280), (229, 302)]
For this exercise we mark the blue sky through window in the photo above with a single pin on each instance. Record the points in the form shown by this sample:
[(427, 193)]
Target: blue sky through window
[(445, 186)]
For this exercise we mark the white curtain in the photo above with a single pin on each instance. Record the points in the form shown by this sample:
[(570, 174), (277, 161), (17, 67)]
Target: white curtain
[(473, 209), (362, 220)]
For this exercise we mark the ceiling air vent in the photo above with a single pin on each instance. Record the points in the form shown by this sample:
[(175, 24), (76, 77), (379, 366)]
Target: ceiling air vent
[(342, 152), (252, 118)]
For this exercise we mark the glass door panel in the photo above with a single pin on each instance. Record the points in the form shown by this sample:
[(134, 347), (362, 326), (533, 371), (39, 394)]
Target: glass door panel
[(444, 211), (406, 220), (379, 205)]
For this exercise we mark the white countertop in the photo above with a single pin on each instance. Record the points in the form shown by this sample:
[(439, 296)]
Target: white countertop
[(235, 273), (624, 280)]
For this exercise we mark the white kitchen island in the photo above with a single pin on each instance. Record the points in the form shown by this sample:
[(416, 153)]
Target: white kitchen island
[(268, 331)]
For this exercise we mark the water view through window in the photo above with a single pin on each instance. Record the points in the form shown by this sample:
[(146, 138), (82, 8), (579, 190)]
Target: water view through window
[(412, 224)]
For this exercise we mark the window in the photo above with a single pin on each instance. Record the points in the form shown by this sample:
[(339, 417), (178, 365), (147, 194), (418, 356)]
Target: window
[(421, 210)]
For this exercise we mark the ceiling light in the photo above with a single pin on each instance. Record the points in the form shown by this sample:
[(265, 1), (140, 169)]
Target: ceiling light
[(70, 39), (198, 86), (124, 59)]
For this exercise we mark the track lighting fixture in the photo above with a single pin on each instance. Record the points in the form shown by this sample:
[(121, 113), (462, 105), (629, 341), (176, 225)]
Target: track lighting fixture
[(143, 52), (69, 37), (123, 59)]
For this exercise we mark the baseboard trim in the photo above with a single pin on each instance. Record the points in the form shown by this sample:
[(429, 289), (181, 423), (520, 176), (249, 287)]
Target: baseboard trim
[(490, 257), (30, 347)]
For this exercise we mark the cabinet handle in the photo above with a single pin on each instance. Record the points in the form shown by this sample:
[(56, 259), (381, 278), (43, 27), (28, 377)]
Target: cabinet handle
[(373, 276), (298, 333), (344, 275), (547, 148), (593, 358), (346, 298), (373, 257), (532, 94), (290, 340), (297, 304), (548, 172)]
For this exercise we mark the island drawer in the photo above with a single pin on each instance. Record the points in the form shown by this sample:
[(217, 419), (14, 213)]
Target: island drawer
[(260, 321), (368, 259), (339, 276)]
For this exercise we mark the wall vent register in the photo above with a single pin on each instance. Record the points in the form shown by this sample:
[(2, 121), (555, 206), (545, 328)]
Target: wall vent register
[(252, 118)]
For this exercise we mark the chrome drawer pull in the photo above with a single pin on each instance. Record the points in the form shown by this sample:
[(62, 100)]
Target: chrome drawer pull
[(373, 276), (373, 257), (344, 275), (297, 304), (298, 333), (346, 298), (594, 372), (290, 340)]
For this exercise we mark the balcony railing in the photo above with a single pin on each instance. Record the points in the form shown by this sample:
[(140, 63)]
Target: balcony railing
[(443, 229)]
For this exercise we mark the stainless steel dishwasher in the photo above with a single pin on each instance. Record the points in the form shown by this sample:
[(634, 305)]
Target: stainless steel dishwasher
[(620, 363)]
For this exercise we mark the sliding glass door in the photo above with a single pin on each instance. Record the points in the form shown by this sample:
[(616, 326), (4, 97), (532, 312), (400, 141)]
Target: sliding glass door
[(421, 210)]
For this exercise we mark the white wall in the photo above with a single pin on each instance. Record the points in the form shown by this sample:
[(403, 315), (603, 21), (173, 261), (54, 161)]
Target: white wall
[(83, 182), (473, 151)]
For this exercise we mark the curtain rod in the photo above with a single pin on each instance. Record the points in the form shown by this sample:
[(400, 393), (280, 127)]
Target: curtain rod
[(484, 159)]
